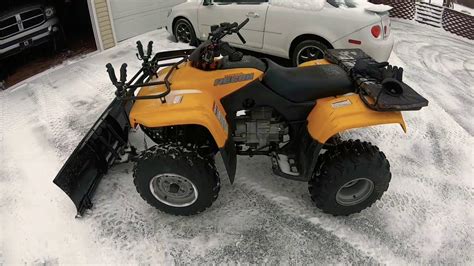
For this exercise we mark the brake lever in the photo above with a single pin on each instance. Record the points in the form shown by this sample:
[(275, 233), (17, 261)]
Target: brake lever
[(243, 24), (241, 38)]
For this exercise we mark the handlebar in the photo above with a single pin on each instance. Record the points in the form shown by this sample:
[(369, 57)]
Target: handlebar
[(140, 49), (123, 73), (111, 71), (149, 49)]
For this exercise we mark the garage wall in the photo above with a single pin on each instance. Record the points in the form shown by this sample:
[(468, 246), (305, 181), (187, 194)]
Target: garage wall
[(132, 18), (103, 21)]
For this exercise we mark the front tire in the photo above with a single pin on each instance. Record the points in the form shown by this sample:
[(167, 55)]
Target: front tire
[(184, 32), (307, 51), (176, 179), (352, 176)]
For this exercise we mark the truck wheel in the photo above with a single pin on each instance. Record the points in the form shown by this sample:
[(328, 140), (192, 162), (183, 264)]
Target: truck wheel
[(351, 177), (307, 51), (184, 32), (176, 180)]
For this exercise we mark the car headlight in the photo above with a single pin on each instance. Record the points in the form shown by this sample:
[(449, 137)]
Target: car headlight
[(49, 12), (169, 13)]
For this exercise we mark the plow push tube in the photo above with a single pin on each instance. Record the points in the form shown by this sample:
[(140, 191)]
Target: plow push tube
[(104, 143)]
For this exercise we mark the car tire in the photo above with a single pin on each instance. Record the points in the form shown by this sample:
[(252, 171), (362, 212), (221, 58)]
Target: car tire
[(184, 32), (308, 50), (351, 177), (176, 179)]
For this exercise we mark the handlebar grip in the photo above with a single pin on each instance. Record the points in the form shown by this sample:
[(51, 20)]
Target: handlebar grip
[(233, 25), (150, 49), (111, 71), (140, 49), (123, 73), (243, 24), (241, 38)]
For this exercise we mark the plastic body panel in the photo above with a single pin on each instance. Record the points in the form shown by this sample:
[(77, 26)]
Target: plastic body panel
[(335, 114), (193, 101)]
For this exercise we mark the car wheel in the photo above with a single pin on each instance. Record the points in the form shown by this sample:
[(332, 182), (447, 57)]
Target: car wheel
[(308, 50), (184, 32)]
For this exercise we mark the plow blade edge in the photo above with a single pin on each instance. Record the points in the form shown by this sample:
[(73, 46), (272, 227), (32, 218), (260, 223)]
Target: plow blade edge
[(94, 155)]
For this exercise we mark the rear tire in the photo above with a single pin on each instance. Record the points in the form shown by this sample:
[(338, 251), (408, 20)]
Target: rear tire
[(352, 176), (308, 50), (176, 179), (184, 32)]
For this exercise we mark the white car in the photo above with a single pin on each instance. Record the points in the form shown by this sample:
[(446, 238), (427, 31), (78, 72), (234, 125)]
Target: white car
[(285, 29)]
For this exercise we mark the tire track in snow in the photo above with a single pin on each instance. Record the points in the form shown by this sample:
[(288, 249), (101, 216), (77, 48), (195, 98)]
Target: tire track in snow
[(444, 72), (242, 226)]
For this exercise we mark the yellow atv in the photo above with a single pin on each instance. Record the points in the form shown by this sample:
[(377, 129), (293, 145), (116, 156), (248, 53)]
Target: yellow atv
[(216, 100)]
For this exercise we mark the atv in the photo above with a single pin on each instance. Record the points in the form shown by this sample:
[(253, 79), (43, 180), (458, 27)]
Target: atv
[(193, 104)]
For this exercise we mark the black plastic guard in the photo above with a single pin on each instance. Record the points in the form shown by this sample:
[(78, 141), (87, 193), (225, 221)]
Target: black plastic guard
[(94, 155), (229, 156)]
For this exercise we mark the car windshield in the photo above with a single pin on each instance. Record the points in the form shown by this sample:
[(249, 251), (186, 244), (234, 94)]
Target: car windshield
[(344, 3)]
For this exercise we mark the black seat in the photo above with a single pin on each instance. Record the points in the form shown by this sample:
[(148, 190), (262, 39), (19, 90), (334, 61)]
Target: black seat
[(302, 84), (245, 62)]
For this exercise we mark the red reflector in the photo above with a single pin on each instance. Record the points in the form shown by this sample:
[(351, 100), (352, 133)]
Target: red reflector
[(354, 41), (376, 30)]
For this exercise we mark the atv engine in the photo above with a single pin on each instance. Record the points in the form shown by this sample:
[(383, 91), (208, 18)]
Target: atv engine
[(258, 130)]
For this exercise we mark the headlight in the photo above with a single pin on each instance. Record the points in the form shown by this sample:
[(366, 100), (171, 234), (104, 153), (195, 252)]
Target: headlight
[(49, 12), (169, 13)]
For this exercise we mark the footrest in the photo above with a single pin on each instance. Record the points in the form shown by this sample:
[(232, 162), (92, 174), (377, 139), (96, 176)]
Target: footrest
[(285, 166)]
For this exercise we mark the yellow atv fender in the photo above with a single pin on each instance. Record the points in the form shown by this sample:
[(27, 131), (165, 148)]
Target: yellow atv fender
[(333, 115)]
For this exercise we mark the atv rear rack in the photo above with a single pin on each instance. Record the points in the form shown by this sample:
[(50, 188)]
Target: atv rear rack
[(107, 141), (377, 91)]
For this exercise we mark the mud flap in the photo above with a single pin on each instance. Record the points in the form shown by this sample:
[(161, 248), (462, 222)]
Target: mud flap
[(229, 156), (95, 154)]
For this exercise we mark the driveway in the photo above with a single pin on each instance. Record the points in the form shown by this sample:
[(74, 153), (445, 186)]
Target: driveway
[(425, 217)]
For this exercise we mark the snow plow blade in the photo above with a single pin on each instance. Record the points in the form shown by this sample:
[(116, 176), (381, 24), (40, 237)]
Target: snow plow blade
[(94, 155)]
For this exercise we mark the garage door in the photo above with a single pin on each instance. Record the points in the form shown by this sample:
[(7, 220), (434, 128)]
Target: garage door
[(132, 18)]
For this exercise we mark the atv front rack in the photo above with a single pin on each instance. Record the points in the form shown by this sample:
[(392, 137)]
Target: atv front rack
[(107, 141), (126, 90)]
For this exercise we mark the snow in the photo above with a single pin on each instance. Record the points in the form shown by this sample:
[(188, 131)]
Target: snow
[(426, 217), (313, 5)]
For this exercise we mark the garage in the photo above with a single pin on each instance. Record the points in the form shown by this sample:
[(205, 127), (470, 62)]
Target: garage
[(117, 20), (71, 29), (38, 35), (131, 19)]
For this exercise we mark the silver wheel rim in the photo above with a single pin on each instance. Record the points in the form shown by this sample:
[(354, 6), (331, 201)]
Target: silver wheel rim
[(309, 53), (183, 32), (355, 191), (173, 190)]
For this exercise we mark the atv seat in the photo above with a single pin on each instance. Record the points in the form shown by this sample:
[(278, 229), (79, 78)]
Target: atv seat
[(302, 84)]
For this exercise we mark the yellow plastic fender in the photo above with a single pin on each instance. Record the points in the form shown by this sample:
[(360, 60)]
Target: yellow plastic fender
[(183, 107), (335, 114)]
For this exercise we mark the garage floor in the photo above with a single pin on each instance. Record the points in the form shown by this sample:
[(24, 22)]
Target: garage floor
[(39, 59)]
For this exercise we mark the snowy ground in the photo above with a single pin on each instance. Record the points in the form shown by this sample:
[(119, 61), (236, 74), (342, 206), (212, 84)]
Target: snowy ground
[(426, 216)]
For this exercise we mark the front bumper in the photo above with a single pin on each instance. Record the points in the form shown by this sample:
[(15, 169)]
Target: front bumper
[(30, 38)]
